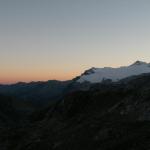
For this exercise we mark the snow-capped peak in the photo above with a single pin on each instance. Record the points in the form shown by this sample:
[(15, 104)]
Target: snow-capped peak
[(97, 75), (139, 63)]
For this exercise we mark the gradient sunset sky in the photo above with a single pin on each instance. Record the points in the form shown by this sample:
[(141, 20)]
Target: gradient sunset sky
[(59, 39)]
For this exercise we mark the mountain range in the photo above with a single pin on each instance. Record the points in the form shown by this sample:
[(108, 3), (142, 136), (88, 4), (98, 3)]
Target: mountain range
[(108, 116), (52, 89), (102, 109), (39, 94)]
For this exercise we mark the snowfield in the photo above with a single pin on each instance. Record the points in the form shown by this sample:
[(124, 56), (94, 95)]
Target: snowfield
[(96, 75)]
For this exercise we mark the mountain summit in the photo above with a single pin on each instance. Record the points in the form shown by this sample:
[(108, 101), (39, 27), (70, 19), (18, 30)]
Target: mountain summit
[(97, 75), (139, 63)]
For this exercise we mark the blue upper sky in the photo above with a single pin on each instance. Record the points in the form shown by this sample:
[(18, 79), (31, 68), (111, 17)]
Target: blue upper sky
[(47, 39)]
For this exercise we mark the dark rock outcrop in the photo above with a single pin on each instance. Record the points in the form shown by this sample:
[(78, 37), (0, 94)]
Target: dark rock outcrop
[(114, 116)]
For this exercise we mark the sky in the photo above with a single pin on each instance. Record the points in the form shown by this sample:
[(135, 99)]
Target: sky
[(59, 39)]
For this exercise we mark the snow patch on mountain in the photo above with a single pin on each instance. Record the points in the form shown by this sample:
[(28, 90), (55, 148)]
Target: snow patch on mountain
[(96, 75)]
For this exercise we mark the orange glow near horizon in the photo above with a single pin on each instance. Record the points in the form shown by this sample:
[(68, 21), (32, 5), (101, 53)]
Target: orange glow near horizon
[(14, 74), (14, 78), (21, 79), (50, 39)]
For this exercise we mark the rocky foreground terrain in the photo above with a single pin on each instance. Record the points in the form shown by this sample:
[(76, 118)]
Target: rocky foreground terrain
[(108, 116)]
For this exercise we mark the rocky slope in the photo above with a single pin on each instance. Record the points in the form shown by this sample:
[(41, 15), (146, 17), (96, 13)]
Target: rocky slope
[(108, 116)]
